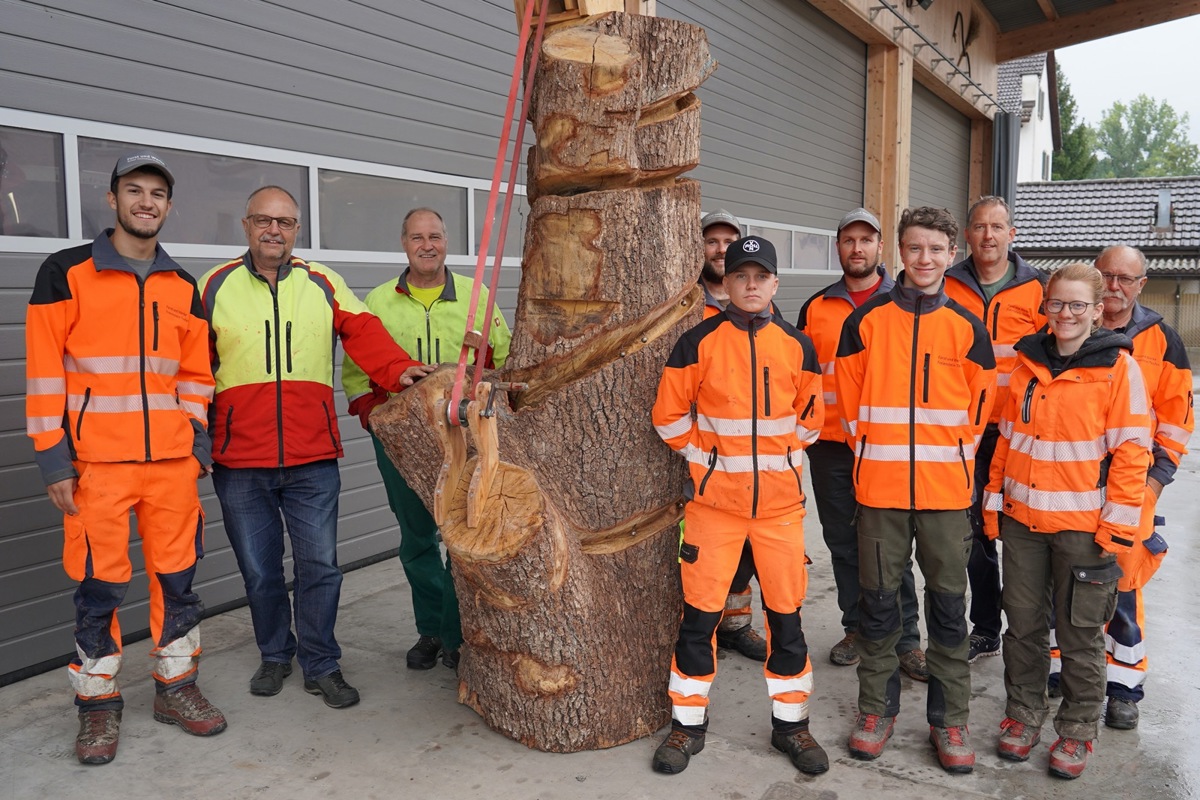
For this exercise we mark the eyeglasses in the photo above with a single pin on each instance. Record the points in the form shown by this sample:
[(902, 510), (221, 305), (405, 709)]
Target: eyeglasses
[(263, 221), (1124, 280), (1076, 306)]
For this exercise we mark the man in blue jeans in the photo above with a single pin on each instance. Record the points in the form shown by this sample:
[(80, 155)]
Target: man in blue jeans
[(273, 318)]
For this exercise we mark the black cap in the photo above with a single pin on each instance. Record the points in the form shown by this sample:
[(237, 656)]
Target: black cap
[(141, 159), (751, 250)]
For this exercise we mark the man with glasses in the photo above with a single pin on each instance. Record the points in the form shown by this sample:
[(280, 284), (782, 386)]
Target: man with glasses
[(425, 311), (273, 319), (118, 387), (1005, 293), (1160, 353)]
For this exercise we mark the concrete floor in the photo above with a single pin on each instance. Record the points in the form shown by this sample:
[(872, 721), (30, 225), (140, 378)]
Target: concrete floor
[(410, 738)]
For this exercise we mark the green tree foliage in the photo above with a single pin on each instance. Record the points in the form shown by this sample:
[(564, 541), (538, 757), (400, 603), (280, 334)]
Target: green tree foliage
[(1146, 138), (1077, 158)]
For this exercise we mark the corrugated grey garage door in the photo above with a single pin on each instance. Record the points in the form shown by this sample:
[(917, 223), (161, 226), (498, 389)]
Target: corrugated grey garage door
[(941, 155)]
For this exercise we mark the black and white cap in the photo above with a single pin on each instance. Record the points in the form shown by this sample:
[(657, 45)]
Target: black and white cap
[(751, 250)]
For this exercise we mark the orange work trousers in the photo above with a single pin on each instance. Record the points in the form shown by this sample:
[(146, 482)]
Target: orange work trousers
[(710, 551), (163, 495)]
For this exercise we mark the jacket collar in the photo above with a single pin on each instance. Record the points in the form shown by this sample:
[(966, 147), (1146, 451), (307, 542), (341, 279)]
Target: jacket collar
[(1101, 349), (284, 269), (1142, 319), (909, 299), (105, 256), (839, 289), (710, 300), (965, 272), (743, 320), (448, 291)]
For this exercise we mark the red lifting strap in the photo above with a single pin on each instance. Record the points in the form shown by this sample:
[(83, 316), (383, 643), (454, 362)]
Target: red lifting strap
[(455, 416)]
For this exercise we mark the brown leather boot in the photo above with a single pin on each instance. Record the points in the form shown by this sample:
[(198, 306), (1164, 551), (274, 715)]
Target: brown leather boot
[(99, 731)]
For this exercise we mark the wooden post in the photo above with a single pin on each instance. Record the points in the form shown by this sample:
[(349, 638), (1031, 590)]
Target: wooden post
[(889, 140), (979, 181)]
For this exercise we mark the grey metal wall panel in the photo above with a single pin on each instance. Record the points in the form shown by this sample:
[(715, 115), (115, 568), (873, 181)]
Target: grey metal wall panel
[(408, 84), (941, 155), (784, 115)]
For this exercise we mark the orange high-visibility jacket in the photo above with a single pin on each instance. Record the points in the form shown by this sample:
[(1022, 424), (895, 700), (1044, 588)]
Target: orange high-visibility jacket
[(1073, 448), (272, 351), (821, 319), (116, 366), (1168, 375), (756, 387), (1014, 312), (915, 377)]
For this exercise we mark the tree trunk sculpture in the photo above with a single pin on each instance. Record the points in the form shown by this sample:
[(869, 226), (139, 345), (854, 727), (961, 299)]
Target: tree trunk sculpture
[(569, 585)]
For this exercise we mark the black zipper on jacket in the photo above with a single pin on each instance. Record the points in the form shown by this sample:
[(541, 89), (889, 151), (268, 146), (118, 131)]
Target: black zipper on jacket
[(267, 351), (1026, 406), (962, 455), (979, 407), (142, 358), (925, 373), (812, 401), (154, 308), (995, 321), (228, 428), (753, 422), (912, 409), (329, 425), (278, 375), (289, 345), (767, 391), (429, 333), (87, 396), (799, 482), (712, 464), (862, 453)]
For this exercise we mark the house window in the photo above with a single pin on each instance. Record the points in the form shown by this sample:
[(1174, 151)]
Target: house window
[(514, 240), (32, 188), (1046, 163), (1041, 103)]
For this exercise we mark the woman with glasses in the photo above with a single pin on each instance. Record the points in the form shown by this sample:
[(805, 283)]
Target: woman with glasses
[(1065, 497)]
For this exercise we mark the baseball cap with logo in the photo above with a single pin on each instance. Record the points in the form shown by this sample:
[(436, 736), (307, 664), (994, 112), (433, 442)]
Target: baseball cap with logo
[(860, 215), (751, 250), (140, 159), (720, 217)]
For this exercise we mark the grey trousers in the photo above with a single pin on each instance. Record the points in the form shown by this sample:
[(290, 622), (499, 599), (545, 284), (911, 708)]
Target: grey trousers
[(943, 546), (1069, 569)]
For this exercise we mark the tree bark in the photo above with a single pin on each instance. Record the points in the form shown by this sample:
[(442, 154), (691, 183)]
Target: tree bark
[(569, 585)]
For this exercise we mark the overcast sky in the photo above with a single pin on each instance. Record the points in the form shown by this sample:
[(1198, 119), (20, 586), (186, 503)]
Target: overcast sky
[(1161, 61)]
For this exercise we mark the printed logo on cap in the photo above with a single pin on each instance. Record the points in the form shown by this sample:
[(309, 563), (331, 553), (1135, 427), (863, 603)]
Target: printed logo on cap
[(750, 246)]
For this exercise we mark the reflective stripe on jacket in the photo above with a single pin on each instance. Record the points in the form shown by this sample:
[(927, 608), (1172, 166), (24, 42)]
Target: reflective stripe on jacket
[(433, 336), (116, 365), (273, 351), (1164, 362), (821, 320), (915, 377), (1074, 449), (756, 387), (1013, 312)]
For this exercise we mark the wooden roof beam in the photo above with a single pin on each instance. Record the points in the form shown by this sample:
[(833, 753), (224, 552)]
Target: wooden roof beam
[(1077, 28), (1048, 9)]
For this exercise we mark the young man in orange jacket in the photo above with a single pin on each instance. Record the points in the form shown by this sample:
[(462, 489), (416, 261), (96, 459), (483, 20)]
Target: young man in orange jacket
[(755, 386), (736, 632), (118, 387), (915, 377), (859, 244)]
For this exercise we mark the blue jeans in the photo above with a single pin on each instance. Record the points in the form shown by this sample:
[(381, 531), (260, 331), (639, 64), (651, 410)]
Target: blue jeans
[(255, 502)]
